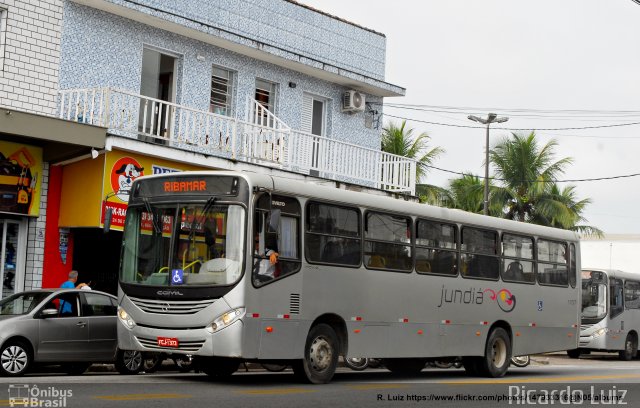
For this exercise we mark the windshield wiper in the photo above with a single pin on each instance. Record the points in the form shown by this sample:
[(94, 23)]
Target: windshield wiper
[(147, 206), (200, 220)]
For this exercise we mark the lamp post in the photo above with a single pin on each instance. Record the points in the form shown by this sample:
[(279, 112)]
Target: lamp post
[(491, 118)]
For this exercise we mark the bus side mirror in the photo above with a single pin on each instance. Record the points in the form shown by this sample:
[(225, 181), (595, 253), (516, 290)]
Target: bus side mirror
[(108, 215), (274, 221)]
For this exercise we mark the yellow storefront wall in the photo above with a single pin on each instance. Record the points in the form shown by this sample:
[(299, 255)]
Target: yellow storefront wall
[(91, 185), (81, 193)]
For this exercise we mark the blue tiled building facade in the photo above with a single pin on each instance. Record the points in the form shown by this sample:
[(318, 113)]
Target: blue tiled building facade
[(296, 49)]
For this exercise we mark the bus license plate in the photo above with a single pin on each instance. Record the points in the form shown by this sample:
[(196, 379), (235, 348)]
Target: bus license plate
[(168, 342)]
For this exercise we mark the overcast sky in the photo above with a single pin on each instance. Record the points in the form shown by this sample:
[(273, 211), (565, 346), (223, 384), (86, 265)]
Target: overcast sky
[(501, 55)]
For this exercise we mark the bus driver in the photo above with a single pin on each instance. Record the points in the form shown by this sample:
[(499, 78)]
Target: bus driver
[(267, 267)]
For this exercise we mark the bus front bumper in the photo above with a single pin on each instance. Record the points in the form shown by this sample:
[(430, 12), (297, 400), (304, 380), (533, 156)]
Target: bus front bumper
[(198, 342)]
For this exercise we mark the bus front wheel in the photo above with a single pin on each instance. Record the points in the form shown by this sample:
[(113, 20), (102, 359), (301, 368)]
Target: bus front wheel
[(497, 354), (320, 355), (630, 348)]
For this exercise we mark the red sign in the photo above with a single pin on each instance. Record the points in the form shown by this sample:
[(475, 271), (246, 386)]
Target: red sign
[(118, 214), (168, 342)]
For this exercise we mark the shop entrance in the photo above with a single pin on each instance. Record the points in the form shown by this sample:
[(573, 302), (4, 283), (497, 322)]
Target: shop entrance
[(12, 249), (96, 257)]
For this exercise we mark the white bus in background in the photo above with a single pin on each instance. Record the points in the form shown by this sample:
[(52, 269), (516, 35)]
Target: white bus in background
[(610, 313), (358, 275)]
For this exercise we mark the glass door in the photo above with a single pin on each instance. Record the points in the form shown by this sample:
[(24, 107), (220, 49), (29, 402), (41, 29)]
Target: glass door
[(12, 238)]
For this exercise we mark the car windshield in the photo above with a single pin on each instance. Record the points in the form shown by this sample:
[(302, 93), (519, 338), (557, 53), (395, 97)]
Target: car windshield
[(183, 244), (21, 303)]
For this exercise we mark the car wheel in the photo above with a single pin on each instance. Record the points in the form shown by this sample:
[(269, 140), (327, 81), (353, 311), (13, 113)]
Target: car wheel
[(129, 362), (15, 358)]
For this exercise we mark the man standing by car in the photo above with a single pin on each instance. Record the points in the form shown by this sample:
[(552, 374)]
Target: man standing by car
[(65, 307)]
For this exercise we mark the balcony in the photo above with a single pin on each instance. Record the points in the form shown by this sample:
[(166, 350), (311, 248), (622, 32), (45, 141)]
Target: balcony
[(262, 138)]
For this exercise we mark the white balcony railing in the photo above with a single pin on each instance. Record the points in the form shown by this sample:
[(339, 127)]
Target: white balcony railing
[(262, 138)]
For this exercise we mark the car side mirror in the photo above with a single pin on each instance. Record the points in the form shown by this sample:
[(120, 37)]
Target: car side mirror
[(49, 313)]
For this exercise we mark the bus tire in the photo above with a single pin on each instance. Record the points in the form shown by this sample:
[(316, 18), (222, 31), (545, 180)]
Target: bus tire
[(630, 348), (575, 353), (320, 356), (497, 354), (405, 366)]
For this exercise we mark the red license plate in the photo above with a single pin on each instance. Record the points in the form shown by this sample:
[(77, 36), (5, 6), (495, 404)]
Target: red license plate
[(168, 342)]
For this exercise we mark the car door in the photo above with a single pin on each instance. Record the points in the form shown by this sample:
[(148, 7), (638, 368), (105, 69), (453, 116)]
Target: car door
[(64, 336), (100, 311)]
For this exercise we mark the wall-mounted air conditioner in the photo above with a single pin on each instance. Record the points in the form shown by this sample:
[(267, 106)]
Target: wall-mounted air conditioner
[(353, 101)]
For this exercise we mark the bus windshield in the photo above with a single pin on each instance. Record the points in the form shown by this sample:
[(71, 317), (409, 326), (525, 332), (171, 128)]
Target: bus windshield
[(176, 244), (594, 303)]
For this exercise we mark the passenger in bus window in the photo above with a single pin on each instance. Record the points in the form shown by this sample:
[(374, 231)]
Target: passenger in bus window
[(267, 267)]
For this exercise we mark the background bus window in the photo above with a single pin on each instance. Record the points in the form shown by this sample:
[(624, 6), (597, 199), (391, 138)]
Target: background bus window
[(616, 297), (632, 295), (552, 263), (436, 248), (387, 242), (517, 252), (332, 234), (479, 258)]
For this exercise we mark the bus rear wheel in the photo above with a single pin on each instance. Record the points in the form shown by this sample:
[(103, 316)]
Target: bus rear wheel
[(497, 354), (320, 356)]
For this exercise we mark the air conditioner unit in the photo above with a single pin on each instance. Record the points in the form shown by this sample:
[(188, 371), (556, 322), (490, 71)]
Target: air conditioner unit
[(353, 101)]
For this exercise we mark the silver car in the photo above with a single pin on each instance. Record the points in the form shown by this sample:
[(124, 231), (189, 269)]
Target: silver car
[(71, 327)]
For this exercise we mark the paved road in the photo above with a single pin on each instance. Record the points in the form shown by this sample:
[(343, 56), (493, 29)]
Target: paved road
[(550, 376)]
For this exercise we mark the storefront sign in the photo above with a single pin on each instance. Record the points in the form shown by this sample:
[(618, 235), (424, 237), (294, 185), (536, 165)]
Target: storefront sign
[(20, 178), (121, 169)]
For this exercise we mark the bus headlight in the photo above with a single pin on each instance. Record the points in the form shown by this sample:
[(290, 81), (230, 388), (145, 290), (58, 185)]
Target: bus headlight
[(125, 318), (226, 319), (599, 332)]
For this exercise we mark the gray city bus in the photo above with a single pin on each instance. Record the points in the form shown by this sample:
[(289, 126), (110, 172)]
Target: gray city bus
[(231, 267), (610, 313)]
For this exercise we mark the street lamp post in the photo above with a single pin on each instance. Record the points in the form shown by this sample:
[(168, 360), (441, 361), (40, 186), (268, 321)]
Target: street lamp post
[(491, 118)]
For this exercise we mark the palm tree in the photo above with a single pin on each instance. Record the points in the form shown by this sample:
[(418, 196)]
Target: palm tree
[(400, 141), (528, 192), (570, 211)]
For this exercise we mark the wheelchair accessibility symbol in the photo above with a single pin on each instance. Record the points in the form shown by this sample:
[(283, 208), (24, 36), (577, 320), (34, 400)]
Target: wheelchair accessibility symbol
[(177, 277)]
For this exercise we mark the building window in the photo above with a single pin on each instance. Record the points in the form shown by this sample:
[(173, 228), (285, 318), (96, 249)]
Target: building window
[(266, 94), (3, 35), (222, 91), (313, 114)]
